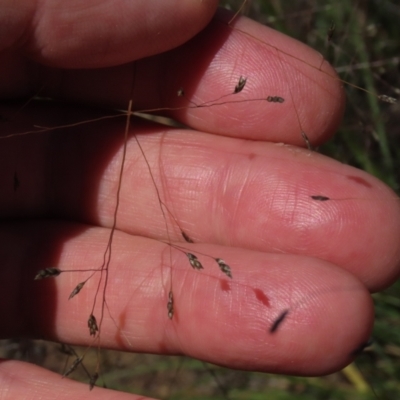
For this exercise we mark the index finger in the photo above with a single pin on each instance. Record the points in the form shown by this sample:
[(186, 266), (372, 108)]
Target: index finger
[(207, 70)]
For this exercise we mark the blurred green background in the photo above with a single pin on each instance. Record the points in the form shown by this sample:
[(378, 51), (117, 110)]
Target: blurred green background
[(365, 49)]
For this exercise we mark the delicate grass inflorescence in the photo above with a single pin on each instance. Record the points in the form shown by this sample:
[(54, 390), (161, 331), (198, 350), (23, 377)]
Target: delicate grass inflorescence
[(241, 85)]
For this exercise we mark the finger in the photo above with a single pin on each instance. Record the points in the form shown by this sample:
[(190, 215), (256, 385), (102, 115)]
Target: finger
[(99, 34), (218, 319), (220, 190), (208, 68), (17, 379)]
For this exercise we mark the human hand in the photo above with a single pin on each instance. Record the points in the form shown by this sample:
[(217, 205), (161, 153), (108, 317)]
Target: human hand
[(249, 200)]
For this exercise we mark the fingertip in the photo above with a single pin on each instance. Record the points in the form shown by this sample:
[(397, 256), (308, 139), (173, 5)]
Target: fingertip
[(305, 81), (281, 314), (274, 65), (325, 330)]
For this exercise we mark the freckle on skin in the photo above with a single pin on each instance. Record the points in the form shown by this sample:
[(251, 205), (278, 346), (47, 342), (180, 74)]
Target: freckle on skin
[(260, 295), (225, 286)]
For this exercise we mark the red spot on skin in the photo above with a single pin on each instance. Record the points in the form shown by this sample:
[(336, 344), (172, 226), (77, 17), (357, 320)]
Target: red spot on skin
[(251, 156), (260, 295), (225, 286), (359, 180)]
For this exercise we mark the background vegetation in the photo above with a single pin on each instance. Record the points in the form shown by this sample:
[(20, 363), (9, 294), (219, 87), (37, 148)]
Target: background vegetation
[(365, 50)]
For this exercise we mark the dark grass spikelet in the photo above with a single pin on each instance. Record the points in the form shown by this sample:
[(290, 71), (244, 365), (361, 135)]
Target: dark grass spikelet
[(170, 305), (240, 85), (92, 324), (224, 267), (73, 366), (93, 380), (278, 321), (186, 237), (320, 198), (47, 273), (77, 289), (275, 99), (194, 262), (65, 349)]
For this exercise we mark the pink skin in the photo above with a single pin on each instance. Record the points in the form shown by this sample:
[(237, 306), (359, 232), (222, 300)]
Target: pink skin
[(250, 201)]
